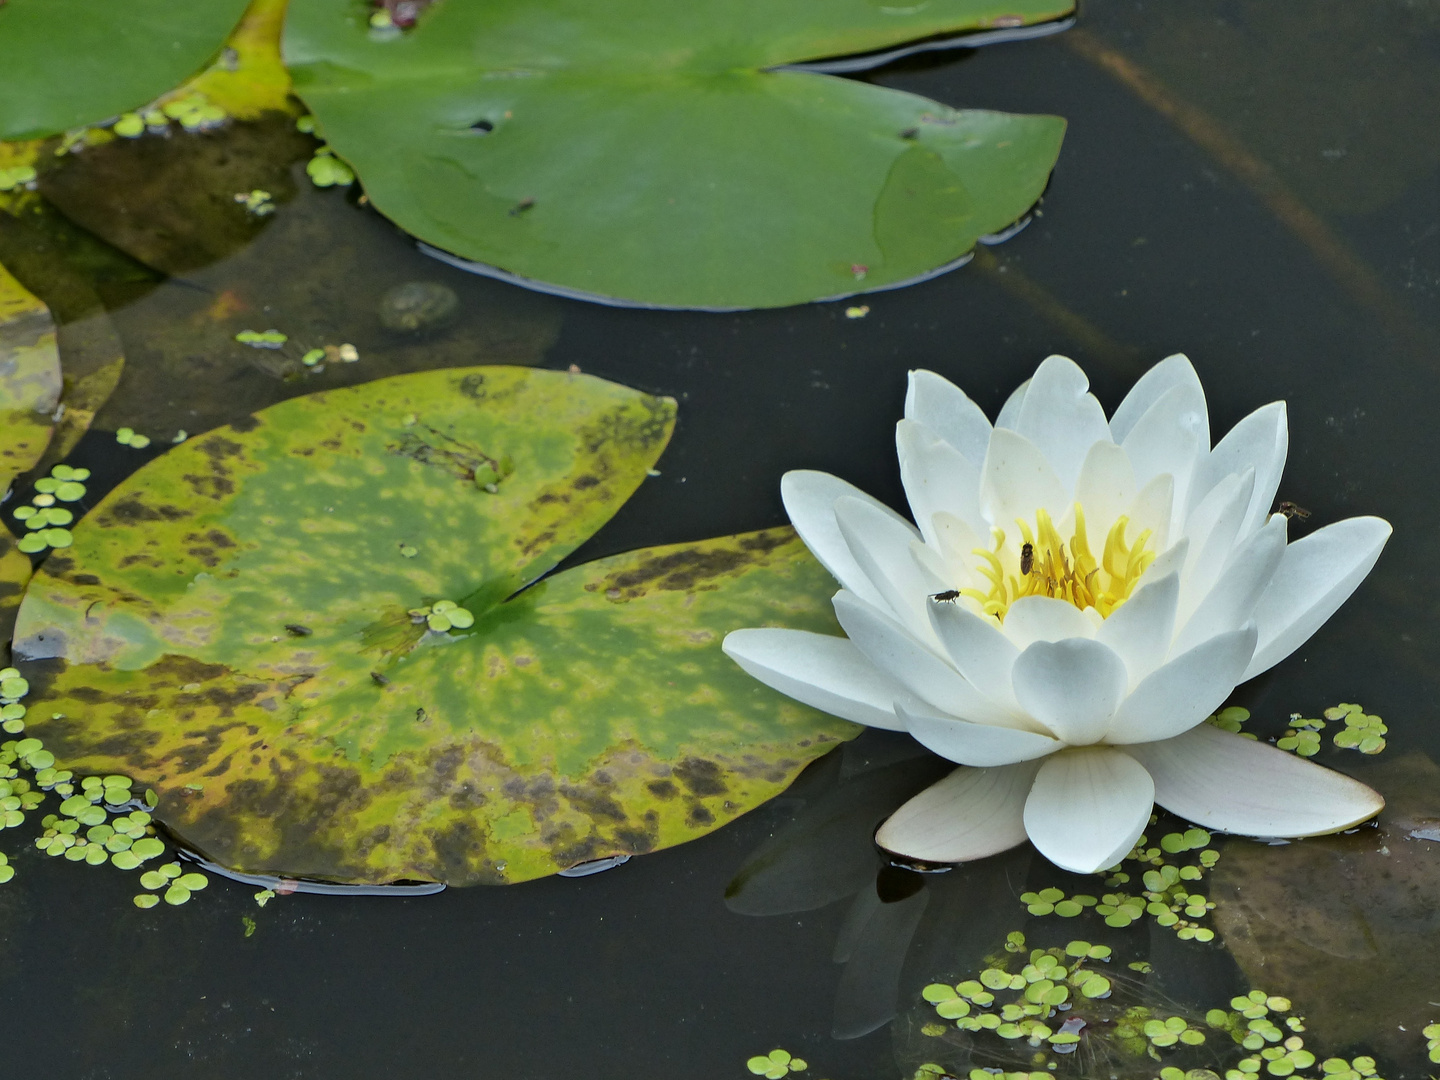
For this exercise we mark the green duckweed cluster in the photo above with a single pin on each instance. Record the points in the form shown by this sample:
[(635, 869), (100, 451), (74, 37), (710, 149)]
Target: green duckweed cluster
[(192, 111), (1431, 1032), (13, 177), (47, 524), (776, 1064), (1169, 894), (1233, 720), (99, 820), (1276, 1050), (1041, 989), (257, 202), (262, 339), (443, 616), (1363, 732), (327, 170), (130, 437)]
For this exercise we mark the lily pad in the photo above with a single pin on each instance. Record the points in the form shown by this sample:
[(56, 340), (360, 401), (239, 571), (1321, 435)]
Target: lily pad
[(650, 153), (14, 574), (29, 378), (234, 628), (66, 63)]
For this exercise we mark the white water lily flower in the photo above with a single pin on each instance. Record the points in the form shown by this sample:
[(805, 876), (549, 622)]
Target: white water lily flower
[(1077, 598)]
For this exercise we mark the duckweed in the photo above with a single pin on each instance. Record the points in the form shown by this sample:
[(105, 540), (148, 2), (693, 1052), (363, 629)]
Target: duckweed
[(442, 616), (776, 1064), (262, 339), (1431, 1032), (1363, 732), (326, 170), (130, 437), (1232, 719), (257, 203)]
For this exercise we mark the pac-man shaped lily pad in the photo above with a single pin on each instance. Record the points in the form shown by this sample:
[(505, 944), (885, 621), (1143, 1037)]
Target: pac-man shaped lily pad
[(310, 633), (67, 63), (659, 153)]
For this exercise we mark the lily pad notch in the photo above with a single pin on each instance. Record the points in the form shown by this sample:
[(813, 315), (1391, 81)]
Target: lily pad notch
[(643, 156), (236, 627)]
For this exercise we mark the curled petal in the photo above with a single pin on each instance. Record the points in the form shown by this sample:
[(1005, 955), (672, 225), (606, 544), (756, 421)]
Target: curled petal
[(881, 547), (1045, 618), (1061, 417), (1141, 628), (809, 499), (1260, 442), (1170, 373), (977, 647), (1088, 806), (1315, 576), (1184, 691), (948, 411), (1017, 480), (970, 814), (1232, 599), (1213, 529), (1171, 439), (892, 649), (1226, 782), (1071, 686), (937, 478), (827, 673), (974, 744), (1010, 411)]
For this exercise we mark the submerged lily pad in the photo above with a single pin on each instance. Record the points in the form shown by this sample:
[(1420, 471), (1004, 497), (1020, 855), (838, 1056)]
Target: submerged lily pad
[(651, 152), (29, 378), (234, 627), (14, 574), (65, 63)]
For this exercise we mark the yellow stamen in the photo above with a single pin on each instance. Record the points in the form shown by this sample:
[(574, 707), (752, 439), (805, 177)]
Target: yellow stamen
[(1060, 568)]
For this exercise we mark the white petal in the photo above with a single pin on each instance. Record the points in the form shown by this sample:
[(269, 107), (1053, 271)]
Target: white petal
[(1184, 691), (1087, 807), (1072, 687), (1259, 442), (957, 542), (1231, 601), (1154, 509), (1061, 417), (880, 546), (809, 499), (977, 647), (946, 410), (1223, 781), (1213, 529), (1141, 629), (1173, 371), (1044, 618), (970, 814), (887, 645), (1017, 480), (1171, 437), (937, 477), (825, 672), (974, 744), (1315, 576), (1105, 490), (1170, 561), (1010, 411)]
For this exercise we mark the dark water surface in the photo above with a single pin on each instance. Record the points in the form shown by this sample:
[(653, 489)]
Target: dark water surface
[(1252, 182)]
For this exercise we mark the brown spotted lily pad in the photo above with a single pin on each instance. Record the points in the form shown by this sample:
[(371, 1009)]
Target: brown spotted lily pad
[(29, 378), (242, 625)]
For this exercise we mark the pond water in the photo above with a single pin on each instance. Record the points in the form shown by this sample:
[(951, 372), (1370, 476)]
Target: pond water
[(1252, 182)]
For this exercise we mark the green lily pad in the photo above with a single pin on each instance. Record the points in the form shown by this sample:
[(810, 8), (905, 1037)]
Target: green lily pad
[(650, 152), (14, 575), (233, 628), (66, 63), (29, 378)]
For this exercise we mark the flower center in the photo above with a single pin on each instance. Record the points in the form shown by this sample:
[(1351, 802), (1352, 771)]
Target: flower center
[(1047, 565)]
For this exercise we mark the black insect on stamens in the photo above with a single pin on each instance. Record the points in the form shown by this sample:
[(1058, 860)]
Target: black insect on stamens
[(947, 595), (1027, 558), (296, 630)]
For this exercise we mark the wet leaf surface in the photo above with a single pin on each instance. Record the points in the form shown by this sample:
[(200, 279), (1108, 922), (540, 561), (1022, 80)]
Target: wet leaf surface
[(234, 627), (114, 57), (14, 575), (646, 152), (1347, 924), (29, 378)]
